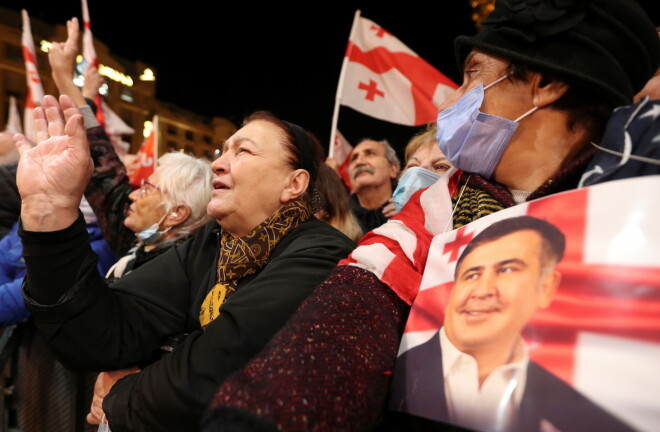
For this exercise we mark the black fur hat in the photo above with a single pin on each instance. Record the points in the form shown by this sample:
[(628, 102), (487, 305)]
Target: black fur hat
[(609, 47)]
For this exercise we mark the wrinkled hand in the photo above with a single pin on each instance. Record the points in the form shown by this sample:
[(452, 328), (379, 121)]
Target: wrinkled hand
[(93, 81), (389, 210), (102, 386), (52, 176), (62, 56)]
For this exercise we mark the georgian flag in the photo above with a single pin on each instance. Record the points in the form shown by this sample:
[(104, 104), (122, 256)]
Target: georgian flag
[(601, 333), (89, 54), (144, 163), (341, 152), (35, 90), (385, 79)]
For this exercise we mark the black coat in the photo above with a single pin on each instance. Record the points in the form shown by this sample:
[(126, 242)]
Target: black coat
[(92, 327)]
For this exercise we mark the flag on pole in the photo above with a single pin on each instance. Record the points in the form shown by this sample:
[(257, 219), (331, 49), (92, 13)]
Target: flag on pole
[(35, 90), (89, 54), (144, 163), (115, 127), (13, 125), (341, 152), (382, 78)]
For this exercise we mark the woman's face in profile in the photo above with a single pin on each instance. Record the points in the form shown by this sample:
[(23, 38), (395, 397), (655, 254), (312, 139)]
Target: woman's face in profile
[(146, 208), (249, 178)]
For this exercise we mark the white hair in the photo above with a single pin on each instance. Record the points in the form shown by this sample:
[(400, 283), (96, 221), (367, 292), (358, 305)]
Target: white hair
[(186, 180)]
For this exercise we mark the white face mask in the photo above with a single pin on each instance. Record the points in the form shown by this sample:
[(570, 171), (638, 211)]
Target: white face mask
[(151, 235), (412, 180)]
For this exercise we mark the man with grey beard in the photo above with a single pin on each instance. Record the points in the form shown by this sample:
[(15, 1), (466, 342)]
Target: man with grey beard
[(373, 170)]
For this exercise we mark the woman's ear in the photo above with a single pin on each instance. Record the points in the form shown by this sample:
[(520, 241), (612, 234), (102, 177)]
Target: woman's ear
[(178, 215), (296, 186), (547, 92)]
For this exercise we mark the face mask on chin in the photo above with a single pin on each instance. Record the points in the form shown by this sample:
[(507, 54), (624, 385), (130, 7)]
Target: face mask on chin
[(471, 140), (151, 235)]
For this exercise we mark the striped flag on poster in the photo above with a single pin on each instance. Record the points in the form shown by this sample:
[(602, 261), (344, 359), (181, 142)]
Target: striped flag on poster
[(601, 333), (35, 90), (382, 78), (144, 164)]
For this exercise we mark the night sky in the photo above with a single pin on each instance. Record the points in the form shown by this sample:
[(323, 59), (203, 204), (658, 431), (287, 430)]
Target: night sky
[(232, 58)]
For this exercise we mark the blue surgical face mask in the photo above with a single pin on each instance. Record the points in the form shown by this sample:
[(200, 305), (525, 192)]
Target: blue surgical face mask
[(151, 235), (471, 140), (412, 180)]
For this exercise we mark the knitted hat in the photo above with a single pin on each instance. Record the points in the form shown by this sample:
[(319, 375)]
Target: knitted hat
[(607, 46)]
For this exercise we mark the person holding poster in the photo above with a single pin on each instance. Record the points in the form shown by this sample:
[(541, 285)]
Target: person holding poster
[(476, 371), (540, 82)]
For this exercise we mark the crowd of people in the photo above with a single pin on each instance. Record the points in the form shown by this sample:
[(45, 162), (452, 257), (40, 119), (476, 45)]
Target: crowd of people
[(209, 299)]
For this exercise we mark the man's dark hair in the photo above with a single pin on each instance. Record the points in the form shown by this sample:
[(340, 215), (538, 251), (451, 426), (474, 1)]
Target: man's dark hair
[(553, 245)]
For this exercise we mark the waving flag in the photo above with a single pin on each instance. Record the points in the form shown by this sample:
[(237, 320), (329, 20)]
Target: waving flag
[(89, 54), (144, 163), (115, 127), (35, 90), (14, 118), (381, 77), (601, 334), (341, 151)]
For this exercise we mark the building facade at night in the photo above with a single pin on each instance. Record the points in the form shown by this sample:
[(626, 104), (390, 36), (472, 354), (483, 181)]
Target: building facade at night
[(129, 90)]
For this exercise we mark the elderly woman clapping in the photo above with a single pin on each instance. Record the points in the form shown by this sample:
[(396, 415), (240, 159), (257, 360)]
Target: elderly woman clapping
[(213, 301)]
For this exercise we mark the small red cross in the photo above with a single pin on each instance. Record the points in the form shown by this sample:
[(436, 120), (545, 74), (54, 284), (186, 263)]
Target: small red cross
[(371, 89), (455, 246), (380, 32)]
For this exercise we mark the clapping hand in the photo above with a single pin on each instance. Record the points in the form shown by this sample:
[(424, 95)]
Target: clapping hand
[(52, 175)]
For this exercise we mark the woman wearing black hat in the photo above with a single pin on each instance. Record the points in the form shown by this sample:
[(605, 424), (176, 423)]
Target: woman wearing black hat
[(211, 303), (540, 81)]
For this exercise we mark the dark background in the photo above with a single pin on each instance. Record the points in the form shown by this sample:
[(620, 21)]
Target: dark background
[(231, 58)]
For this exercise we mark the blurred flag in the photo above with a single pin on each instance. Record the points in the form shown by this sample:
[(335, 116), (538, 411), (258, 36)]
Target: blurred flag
[(35, 90), (341, 152), (14, 118), (144, 163), (383, 78), (89, 54), (115, 127)]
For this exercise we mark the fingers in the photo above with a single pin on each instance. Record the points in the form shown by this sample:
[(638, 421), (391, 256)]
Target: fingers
[(54, 116), (69, 106), (92, 419), (40, 124), (73, 32), (22, 143)]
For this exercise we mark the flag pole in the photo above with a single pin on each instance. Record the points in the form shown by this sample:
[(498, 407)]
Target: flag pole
[(340, 84)]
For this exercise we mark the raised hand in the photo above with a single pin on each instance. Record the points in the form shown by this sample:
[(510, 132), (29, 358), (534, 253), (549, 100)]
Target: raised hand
[(62, 59), (93, 81), (52, 175)]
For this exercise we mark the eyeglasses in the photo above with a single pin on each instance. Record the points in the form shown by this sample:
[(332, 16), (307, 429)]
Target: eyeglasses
[(146, 187)]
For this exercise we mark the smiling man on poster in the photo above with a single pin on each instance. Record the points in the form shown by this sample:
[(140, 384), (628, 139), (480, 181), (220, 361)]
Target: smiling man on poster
[(476, 371)]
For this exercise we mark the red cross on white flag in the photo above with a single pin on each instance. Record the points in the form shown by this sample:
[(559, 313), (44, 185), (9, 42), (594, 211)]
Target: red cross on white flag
[(35, 90), (385, 79)]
